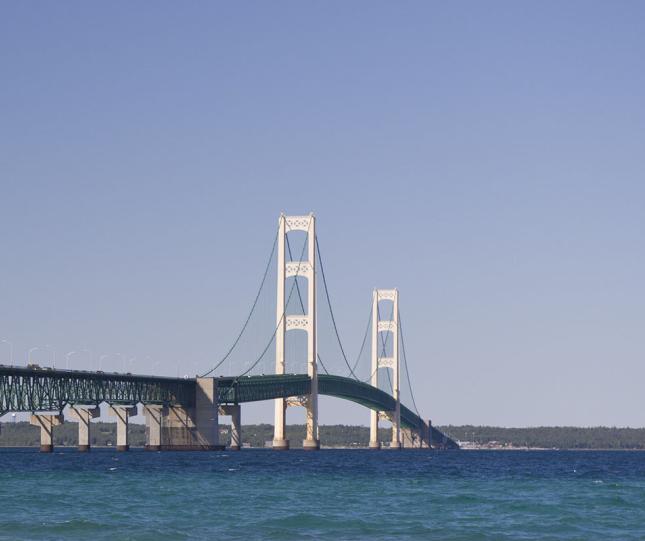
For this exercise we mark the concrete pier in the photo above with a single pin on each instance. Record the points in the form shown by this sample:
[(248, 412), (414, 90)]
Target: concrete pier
[(84, 415), (122, 413), (396, 424), (154, 415), (236, 426), (46, 422), (280, 442), (206, 415), (311, 442), (374, 441)]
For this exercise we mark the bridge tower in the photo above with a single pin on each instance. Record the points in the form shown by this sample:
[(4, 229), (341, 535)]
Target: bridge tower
[(306, 322), (382, 361)]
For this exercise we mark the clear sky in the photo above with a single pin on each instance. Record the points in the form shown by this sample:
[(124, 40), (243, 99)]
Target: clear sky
[(486, 158)]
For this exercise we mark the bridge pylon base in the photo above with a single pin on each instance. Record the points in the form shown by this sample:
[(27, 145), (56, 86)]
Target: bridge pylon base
[(280, 445), (311, 445), (395, 445), (84, 448), (152, 448), (47, 448), (375, 445)]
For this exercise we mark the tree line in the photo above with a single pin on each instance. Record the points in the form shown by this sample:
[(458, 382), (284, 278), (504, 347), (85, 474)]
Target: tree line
[(22, 434)]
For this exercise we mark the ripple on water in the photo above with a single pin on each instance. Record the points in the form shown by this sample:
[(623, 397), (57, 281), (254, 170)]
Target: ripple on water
[(257, 494)]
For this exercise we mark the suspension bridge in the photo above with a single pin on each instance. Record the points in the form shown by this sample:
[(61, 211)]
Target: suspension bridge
[(183, 413)]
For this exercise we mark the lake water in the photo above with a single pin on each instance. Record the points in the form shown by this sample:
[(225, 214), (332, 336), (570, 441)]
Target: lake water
[(331, 494)]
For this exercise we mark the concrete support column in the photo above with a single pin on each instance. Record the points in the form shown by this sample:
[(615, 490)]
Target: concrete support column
[(153, 414), (396, 427), (206, 415), (374, 441), (396, 421), (235, 411), (409, 439), (279, 440), (236, 428), (46, 422), (84, 415), (312, 440), (122, 413)]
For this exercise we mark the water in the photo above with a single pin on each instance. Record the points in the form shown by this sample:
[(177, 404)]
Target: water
[(332, 494)]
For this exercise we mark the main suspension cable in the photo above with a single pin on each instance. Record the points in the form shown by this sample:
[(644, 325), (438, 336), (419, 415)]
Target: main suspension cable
[(405, 365), (331, 310), (282, 317), (302, 304), (367, 330), (255, 302)]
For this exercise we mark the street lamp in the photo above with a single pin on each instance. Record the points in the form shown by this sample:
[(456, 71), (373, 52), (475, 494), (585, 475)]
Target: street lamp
[(51, 348), (10, 344), (31, 350), (105, 356), (121, 357), (69, 354), (130, 363)]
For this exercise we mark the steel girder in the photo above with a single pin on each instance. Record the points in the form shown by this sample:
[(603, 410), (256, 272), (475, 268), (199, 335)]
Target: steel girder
[(36, 389)]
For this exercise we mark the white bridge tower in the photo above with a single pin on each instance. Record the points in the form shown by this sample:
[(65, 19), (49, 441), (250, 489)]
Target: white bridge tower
[(378, 361), (306, 322)]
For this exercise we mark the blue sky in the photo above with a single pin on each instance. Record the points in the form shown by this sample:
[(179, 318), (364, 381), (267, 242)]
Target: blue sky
[(484, 158)]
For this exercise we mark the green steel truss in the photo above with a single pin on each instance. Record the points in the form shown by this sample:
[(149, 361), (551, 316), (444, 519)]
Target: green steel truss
[(34, 389)]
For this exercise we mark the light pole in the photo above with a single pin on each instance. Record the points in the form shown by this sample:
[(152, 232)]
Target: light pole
[(89, 353), (51, 348), (121, 357), (70, 353), (104, 356), (67, 356), (10, 344), (31, 350)]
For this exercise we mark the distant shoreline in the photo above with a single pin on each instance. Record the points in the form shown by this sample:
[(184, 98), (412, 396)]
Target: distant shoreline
[(258, 436)]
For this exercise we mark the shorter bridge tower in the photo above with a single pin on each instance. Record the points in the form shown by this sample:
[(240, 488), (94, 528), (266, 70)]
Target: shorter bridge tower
[(380, 360), (306, 322)]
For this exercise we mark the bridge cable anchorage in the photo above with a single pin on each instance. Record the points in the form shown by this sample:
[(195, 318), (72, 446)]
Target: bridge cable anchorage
[(255, 303), (331, 310), (282, 317), (405, 365)]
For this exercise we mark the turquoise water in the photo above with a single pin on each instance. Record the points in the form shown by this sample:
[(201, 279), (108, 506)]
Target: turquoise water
[(332, 494)]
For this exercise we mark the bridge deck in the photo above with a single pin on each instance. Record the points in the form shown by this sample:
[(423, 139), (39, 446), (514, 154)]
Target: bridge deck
[(32, 389)]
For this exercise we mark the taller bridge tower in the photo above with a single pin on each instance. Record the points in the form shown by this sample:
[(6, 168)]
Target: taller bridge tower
[(306, 322)]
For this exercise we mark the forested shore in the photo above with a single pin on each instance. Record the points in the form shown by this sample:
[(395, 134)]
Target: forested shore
[(22, 434)]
